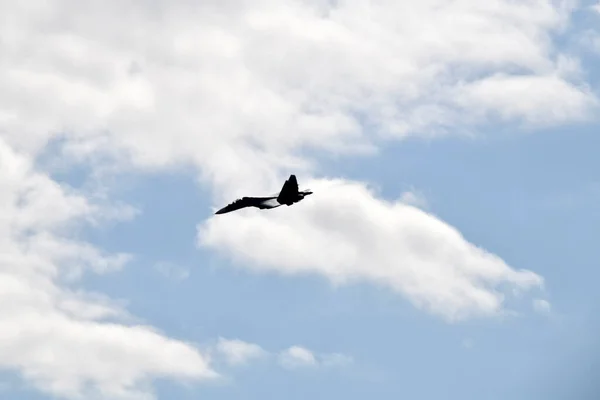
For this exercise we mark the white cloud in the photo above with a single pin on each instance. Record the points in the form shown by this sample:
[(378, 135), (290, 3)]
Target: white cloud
[(300, 357), (538, 99), (414, 198), (542, 306), (346, 234), (238, 88), (297, 356), (67, 342), (238, 352)]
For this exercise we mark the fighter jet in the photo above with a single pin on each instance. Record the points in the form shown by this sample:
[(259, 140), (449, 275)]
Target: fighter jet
[(289, 195)]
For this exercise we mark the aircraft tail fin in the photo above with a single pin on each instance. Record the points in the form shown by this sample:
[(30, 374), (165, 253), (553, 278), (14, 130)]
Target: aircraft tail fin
[(289, 190)]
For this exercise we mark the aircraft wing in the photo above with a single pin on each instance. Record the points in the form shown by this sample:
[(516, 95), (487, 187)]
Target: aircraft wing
[(260, 202)]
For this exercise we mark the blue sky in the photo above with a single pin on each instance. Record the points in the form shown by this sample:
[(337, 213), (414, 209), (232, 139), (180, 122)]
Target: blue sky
[(398, 305), (508, 194), (505, 194)]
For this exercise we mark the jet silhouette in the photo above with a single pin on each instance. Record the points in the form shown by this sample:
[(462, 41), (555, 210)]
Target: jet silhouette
[(289, 195)]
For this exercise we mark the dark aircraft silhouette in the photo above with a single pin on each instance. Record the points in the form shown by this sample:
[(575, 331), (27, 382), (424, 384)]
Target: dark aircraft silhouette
[(289, 195)]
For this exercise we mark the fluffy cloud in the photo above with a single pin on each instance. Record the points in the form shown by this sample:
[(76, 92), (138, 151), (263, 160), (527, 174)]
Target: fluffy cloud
[(536, 98), (414, 198), (238, 352), (68, 342), (300, 357), (226, 86), (346, 234), (297, 356)]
